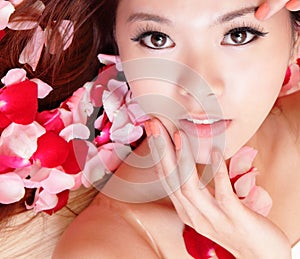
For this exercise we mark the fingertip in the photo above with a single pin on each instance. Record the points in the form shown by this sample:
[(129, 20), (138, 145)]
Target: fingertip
[(293, 5), (177, 141), (263, 12), (216, 159)]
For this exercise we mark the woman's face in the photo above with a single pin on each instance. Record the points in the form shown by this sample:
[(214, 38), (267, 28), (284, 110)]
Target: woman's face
[(242, 61)]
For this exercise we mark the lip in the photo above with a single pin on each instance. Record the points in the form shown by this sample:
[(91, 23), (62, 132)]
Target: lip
[(204, 130)]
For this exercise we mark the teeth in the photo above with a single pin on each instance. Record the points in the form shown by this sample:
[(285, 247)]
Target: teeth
[(205, 122)]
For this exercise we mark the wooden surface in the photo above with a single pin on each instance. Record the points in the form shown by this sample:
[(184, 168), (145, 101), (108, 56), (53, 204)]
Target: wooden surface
[(35, 236)]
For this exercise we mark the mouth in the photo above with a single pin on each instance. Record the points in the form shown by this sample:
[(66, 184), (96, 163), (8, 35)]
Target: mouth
[(204, 128)]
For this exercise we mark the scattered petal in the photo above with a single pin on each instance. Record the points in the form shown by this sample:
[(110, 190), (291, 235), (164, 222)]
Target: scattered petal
[(6, 10), (245, 183), (14, 76), (57, 182), (242, 161), (11, 188), (32, 52), (43, 88), (18, 102), (52, 150)]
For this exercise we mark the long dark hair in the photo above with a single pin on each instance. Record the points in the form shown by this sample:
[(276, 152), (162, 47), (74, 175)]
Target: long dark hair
[(67, 70)]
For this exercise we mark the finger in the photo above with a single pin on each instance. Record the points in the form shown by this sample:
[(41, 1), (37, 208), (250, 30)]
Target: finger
[(163, 146), (293, 5), (197, 203), (224, 193), (195, 198), (161, 151), (269, 8)]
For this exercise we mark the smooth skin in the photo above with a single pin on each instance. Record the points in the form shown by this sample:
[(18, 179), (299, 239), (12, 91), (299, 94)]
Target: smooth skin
[(114, 229)]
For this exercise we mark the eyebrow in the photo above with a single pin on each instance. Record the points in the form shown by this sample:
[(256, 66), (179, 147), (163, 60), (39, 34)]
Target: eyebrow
[(235, 14), (148, 17), (161, 19)]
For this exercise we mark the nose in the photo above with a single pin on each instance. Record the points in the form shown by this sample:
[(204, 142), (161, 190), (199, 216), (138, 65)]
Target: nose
[(207, 67)]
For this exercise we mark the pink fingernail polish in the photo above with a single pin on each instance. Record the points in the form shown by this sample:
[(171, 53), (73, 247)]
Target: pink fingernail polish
[(263, 11), (177, 141), (155, 128), (147, 126)]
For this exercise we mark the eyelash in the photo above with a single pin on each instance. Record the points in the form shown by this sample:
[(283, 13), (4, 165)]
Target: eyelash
[(148, 30), (254, 30)]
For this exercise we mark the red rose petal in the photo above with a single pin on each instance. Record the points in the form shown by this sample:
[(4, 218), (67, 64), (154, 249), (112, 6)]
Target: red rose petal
[(4, 121), (50, 120), (200, 246), (7, 163), (19, 103), (76, 159), (2, 34), (287, 76), (52, 150)]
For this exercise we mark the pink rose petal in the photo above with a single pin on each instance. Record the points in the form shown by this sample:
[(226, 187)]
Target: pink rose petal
[(14, 76), (8, 162), (259, 201), (32, 52), (22, 25), (20, 140), (43, 88), (128, 134), (66, 30), (245, 183), (242, 161), (75, 131), (57, 182), (11, 188), (44, 201), (6, 9)]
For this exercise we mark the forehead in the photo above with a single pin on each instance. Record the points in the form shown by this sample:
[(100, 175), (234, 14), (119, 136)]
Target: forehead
[(193, 10)]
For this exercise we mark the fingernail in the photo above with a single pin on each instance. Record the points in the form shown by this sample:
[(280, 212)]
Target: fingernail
[(148, 128), (177, 141), (263, 11), (154, 128), (293, 6)]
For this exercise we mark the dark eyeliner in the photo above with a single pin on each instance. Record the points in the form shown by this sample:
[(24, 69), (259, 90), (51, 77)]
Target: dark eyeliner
[(247, 29)]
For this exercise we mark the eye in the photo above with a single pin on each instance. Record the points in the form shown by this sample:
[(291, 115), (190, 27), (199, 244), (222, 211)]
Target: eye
[(241, 36), (155, 40)]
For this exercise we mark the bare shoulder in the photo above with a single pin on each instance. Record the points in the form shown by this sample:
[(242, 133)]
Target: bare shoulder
[(100, 231)]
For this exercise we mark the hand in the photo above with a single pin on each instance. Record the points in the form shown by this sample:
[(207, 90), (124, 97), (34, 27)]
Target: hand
[(218, 215), (270, 7)]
